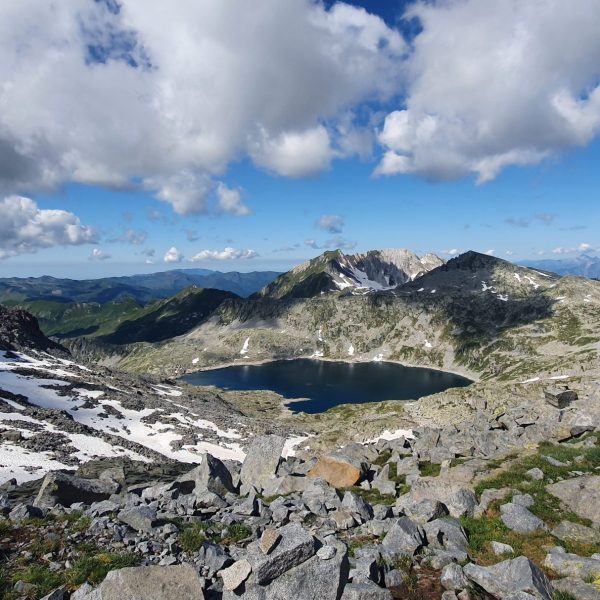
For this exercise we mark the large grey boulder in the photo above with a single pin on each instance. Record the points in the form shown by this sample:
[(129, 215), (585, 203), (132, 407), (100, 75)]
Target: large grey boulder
[(235, 575), (61, 488), (365, 591), (404, 537), (314, 579), (211, 475), (383, 483), (510, 577), (149, 583), (580, 494), (578, 589), (140, 518), (21, 512), (518, 518), (453, 578), (295, 546), (357, 505), (447, 533), (573, 565), (575, 532), (261, 462)]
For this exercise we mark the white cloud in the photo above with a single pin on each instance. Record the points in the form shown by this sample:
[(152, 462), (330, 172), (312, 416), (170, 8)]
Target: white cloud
[(490, 252), (452, 252), (509, 253), (177, 91), (98, 254), (26, 228), (173, 255), (486, 89), (228, 253), (331, 223), (230, 201), (584, 247)]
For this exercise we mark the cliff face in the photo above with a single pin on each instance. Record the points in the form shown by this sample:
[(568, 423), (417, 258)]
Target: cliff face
[(19, 330)]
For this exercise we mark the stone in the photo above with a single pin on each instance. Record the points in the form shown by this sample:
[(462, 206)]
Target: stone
[(580, 494), (525, 500), (343, 519), (140, 518), (57, 594), (235, 575), (404, 537), (572, 565), (21, 512), (559, 398), (447, 533), (357, 505), (150, 583), (211, 475), (520, 519), (498, 548), (338, 470), (261, 462), (268, 540), (510, 577), (383, 483), (61, 488), (326, 552), (535, 474), (574, 532), (489, 496), (578, 589), (453, 578), (427, 510), (365, 591), (295, 547), (314, 579)]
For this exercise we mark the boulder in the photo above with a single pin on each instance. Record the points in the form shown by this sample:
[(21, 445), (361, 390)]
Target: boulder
[(295, 546), (573, 565), (498, 548), (578, 589), (404, 537), (365, 591), (339, 470), (453, 578), (61, 488), (519, 519), (262, 460), (211, 475), (357, 506), (313, 579), (383, 483), (21, 512), (235, 575), (574, 532), (580, 494), (140, 518), (149, 583), (510, 577), (427, 510)]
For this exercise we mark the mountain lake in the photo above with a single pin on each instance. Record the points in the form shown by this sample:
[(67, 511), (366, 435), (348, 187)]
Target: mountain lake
[(321, 385)]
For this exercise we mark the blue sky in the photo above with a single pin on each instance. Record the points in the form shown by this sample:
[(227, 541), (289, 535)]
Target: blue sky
[(539, 197)]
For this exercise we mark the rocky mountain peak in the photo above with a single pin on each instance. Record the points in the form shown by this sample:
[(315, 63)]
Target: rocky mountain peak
[(19, 330)]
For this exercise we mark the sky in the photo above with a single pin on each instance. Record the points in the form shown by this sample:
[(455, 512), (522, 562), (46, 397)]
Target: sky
[(138, 137)]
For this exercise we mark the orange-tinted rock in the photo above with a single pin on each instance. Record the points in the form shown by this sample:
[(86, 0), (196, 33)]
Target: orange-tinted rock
[(337, 471)]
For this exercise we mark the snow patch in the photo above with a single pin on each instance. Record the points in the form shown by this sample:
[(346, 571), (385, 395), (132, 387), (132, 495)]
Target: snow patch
[(351, 350), (244, 350)]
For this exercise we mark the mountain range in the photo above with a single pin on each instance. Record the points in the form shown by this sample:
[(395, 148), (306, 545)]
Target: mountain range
[(584, 265)]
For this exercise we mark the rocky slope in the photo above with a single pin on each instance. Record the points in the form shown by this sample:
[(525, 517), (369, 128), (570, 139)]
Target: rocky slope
[(355, 273)]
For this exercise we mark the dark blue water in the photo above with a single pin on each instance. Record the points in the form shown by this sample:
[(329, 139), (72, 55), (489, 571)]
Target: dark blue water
[(327, 384)]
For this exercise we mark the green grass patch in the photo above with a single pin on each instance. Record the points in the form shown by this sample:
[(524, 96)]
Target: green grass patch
[(236, 532), (428, 469), (192, 537), (93, 569), (373, 496)]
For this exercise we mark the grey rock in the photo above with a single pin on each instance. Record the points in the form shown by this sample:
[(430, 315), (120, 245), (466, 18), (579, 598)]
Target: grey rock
[(104, 507), (211, 475), (140, 518), (574, 532), (342, 519), (498, 548), (449, 595), (427, 510), (61, 488), (462, 503), (580, 494), (21, 512), (447, 533), (295, 547), (268, 540), (572, 565), (314, 579), (535, 474), (357, 505), (453, 578), (57, 594), (365, 570), (383, 483), (509, 577), (580, 590), (326, 552), (150, 583), (365, 591), (488, 496), (235, 575), (262, 460), (520, 519), (394, 578), (404, 537), (523, 500)]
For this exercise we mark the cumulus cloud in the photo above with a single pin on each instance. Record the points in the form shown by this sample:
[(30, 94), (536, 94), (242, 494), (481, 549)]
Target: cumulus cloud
[(98, 254), (26, 228), (230, 201), (172, 255), (135, 237), (338, 242), (227, 253), (485, 89), (331, 223), (166, 96), (584, 247)]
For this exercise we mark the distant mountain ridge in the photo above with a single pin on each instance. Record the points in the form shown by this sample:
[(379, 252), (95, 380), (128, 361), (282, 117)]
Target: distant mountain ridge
[(375, 270), (585, 265), (141, 288)]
